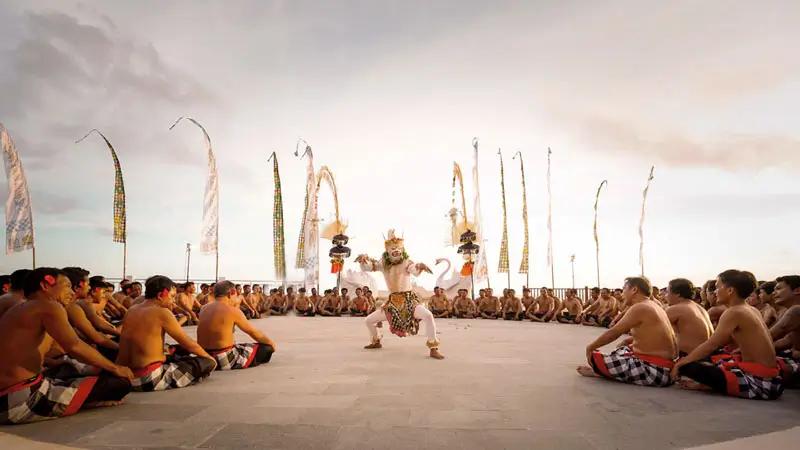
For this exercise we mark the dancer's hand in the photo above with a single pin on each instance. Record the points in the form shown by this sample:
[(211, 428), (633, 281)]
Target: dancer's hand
[(362, 259), (424, 268)]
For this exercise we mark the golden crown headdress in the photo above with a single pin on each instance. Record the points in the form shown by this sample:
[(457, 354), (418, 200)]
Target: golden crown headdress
[(391, 239)]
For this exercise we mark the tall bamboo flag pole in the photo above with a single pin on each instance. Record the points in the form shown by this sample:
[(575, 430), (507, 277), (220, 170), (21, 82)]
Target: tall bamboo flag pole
[(19, 211), (550, 261), (120, 216), (502, 266), (641, 220), (278, 236), (596, 240), (523, 266), (209, 239), (299, 261)]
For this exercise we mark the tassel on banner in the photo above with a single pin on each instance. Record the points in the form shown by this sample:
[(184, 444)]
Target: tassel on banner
[(336, 266), (467, 268)]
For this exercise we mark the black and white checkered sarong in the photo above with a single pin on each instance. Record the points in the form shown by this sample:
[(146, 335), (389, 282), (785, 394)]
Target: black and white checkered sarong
[(624, 365), (790, 370), (751, 380), (41, 398), (176, 372), (399, 309), (237, 356)]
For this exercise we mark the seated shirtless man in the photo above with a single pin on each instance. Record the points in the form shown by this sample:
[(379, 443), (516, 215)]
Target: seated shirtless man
[(513, 309), (15, 293), (573, 306), (489, 306), (689, 320), (359, 306), (141, 346), (763, 303), (463, 306), (754, 373), (215, 333), (541, 308), (527, 300), (439, 305), (26, 332), (645, 358), (327, 305), (303, 305), (786, 333)]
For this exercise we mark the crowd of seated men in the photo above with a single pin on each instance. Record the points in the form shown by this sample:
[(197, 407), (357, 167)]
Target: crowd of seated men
[(68, 342)]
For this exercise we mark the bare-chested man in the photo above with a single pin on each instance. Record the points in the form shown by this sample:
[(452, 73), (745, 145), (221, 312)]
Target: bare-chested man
[(527, 299), (303, 305), (315, 298), (764, 303), (602, 311), (279, 303), (141, 346), (463, 306), (786, 333), (541, 308), (187, 303), (15, 293), (689, 320), (215, 333), (646, 357), (326, 306), (95, 301), (754, 373), (439, 305), (573, 306), (489, 306), (26, 332), (513, 309), (360, 304)]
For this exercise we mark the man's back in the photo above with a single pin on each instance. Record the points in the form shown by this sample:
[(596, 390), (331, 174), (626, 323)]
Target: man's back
[(9, 300), (751, 335), (691, 323), (653, 334), (215, 330), (142, 340), (20, 327)]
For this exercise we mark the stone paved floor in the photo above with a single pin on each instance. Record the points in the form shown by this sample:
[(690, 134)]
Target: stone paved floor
[(504, 385)]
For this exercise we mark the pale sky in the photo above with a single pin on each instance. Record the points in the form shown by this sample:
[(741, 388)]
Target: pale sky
[(389, 94)]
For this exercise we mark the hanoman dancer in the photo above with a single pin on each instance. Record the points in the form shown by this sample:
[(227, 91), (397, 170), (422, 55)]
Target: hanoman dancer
[(402, 310)]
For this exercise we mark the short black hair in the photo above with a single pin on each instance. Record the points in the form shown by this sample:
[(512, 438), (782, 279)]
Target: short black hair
[(743, 283), (642, 283), (681, 287), (156, 285), (98, 281), (793, 281), (5, 279), (18, 279), (34, 280), (76, 275), (710, 285), (223, 289), (596, 289), (768, 287)]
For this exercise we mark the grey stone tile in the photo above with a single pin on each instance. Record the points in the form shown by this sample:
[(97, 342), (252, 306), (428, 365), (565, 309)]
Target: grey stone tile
[(150, 434), (62, 431), (308, 401), (274, 437), (373, 418), (469, 419), (249, 415)]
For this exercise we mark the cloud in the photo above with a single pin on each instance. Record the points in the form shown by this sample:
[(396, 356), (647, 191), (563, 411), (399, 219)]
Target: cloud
[(67, 75), (48, 203), (671, 147)]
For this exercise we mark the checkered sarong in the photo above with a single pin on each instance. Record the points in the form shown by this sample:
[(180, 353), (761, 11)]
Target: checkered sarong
[(175, 373), (41, 398), (751, 380), (70, 368), (624, 365), (399, 311), (790, 370), (237, 356)]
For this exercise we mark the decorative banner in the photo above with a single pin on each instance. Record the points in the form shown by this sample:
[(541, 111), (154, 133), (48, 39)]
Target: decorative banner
[(523, 266), (209, 238), (481, 267), (310, 230), (457, 228), (278, 237), (502, 266), (19, 212), (120, 218), (594, 227), (549, 214), (299, 261), (337, 226), (641, 220)]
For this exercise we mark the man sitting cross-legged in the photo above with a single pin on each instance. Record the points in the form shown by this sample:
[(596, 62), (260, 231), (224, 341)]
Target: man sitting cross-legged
[(542, 307), (513, 309), (215, 333), (647, 356), (573, 307), (689, 320), (786, 333), (439, 305), (26, 332), (463, 306), (141, 346), (489, 306), (754, 373), (359, 306)]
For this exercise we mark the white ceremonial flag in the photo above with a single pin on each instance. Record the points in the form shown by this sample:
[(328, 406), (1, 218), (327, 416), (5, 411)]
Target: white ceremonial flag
[(19, 213), (209, 240), (311, 228), (481, 267)]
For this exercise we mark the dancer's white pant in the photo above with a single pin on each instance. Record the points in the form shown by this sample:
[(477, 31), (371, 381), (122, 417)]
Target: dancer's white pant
[(420, 312)]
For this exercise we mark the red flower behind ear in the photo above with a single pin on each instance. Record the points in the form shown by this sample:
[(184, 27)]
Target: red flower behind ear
[(50, 280)]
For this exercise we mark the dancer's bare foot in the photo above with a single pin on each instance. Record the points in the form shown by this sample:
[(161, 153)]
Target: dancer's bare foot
[(435, 354), (102, 404), (374, 345), (586, 371), (691, 385)]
